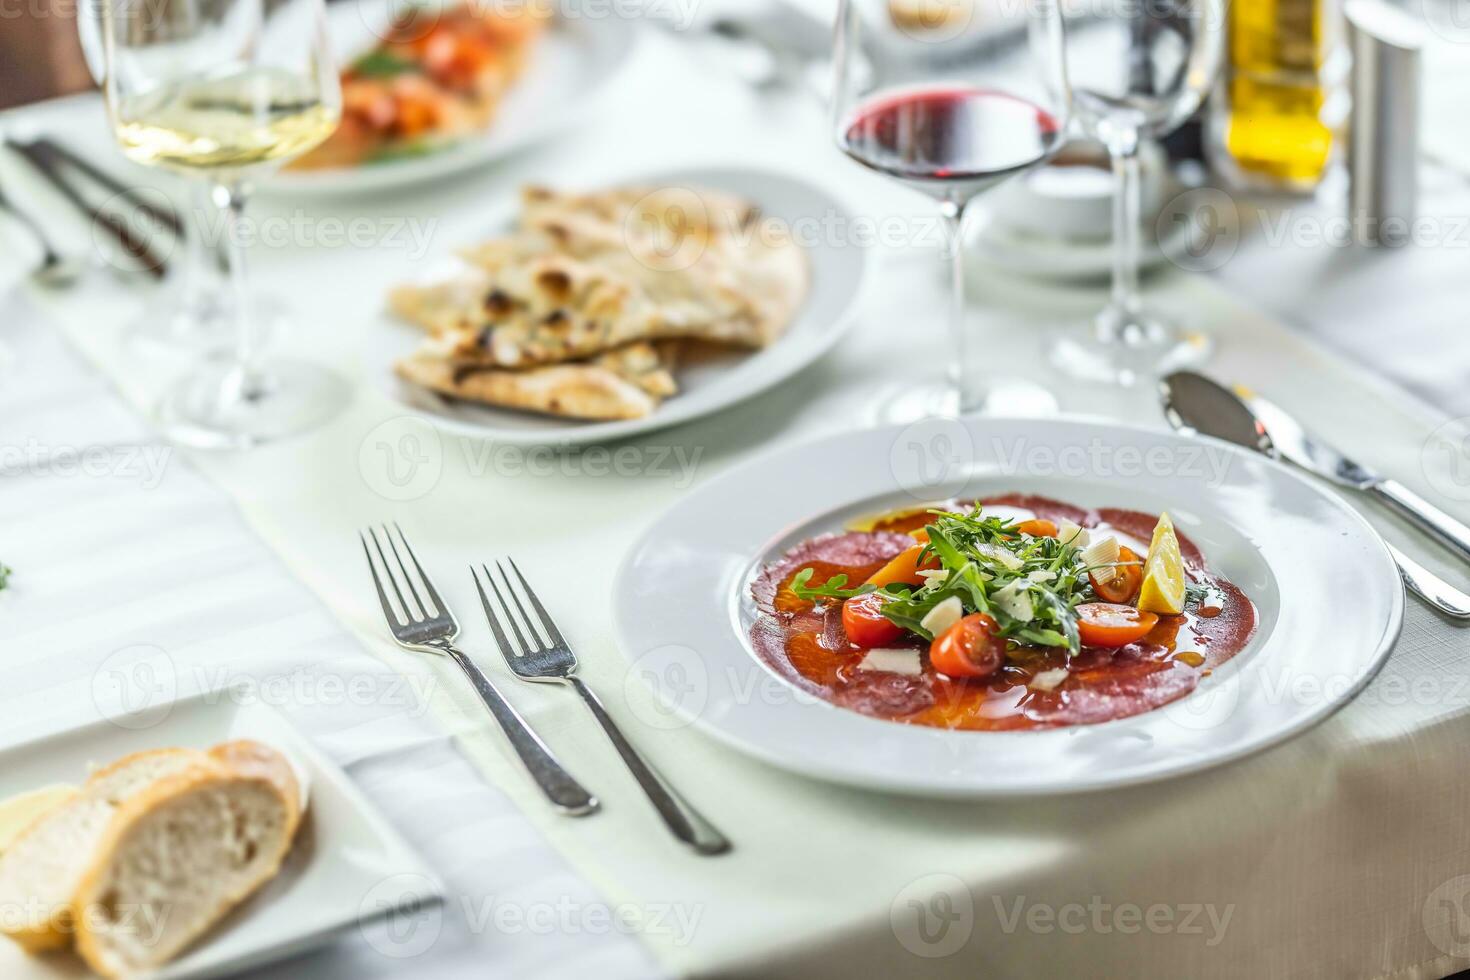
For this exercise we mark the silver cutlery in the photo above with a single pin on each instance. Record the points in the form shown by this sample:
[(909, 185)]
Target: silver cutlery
[(57, 154), (54, 270), (541, 653), (115, 227), (1196, 403), (1310, 453), (422, 626)]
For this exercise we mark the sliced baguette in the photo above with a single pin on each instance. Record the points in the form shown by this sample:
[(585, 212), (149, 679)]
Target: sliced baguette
[(18, 813), (40, 871), (177, 857)]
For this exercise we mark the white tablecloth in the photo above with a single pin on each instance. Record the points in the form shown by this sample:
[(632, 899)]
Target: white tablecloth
[(1329, 856), (124, 550)]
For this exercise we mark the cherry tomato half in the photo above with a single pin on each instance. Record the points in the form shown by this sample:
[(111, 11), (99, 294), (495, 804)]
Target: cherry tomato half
[(1125, 581), (865, 624), (1108, 624), (969, 648)]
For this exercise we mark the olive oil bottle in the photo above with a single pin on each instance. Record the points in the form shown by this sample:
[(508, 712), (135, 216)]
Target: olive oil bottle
[(1281, 101)]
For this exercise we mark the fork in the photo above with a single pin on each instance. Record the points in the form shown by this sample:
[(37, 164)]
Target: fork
[(543, 655), (425, 627)]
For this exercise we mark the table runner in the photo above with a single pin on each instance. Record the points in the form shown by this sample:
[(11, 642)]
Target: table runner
[(1337, 854)]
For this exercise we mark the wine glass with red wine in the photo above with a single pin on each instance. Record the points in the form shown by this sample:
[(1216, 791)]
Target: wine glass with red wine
[(950, 98), (1139, 69)]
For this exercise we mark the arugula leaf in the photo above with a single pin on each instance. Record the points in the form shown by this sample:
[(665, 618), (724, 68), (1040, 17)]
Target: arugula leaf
[(5, 572), (381, 64), (1043, 580), (1195, 592), (834, 588), (1031, 586)]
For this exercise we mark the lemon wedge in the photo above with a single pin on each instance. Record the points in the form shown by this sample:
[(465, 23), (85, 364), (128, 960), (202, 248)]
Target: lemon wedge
[(1163, 572)]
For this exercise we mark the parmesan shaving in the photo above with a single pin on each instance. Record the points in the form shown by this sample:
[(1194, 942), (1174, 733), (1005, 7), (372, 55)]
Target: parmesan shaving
[(893, 661), (1014, 601), (1101, 552), (943, 616), (1049, 680), (1072, 534), (999, 555)]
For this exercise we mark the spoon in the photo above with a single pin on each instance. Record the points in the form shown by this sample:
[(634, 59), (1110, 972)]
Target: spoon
[(54, 271), (1195, 403)]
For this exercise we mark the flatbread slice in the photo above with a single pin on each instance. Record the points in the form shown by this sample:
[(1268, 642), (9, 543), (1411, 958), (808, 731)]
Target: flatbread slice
[(628, 383), (729, 281)]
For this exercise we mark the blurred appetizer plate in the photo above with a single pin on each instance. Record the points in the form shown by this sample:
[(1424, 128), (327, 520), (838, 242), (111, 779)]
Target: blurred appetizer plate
[(347, 869), (573, 63), (707, 383), (1329, 601)]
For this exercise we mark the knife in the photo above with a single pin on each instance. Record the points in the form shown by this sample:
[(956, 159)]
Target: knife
[(56, 154), (1310, 453), (1193, 402), (115, 227)]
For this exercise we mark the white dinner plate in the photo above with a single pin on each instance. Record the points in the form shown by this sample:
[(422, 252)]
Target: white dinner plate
[(714, 381), (1327, 593), (347, 869), (572, 64)]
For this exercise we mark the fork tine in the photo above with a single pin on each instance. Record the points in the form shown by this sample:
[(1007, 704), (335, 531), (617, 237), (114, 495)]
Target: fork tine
[(378, 583), (547, 623), (423, 576), (506, 650), (408, 611), (526, 645), (407, 578)]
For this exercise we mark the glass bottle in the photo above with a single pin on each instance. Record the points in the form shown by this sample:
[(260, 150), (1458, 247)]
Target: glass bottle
[(1278, 111)]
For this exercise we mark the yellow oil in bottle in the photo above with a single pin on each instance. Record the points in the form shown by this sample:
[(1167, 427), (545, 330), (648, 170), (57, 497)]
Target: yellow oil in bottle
[(1280, 101)]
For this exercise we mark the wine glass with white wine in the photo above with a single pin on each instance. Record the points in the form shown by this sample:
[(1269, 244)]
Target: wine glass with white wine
[(228, 90)]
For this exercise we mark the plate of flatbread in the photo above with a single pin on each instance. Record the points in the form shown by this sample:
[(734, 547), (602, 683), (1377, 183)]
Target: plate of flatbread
[(595, 314)]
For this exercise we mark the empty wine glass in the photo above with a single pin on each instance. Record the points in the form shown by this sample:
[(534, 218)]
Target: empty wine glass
[(1138, 68), (227, 90), (950, 102)]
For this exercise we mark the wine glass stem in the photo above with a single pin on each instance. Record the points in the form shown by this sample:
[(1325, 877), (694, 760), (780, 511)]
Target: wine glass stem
[(1127, 217), (953, 212), (246, 383)]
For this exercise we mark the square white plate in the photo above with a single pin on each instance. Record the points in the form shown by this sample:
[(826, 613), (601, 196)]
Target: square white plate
[(348, 865)]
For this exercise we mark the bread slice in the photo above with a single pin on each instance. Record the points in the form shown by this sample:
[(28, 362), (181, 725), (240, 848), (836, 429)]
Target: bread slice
[(40, 871), (19, 812), (624, 384), (177, 857)]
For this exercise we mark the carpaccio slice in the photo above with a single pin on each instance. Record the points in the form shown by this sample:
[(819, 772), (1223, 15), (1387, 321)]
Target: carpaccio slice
[(805, 643)]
